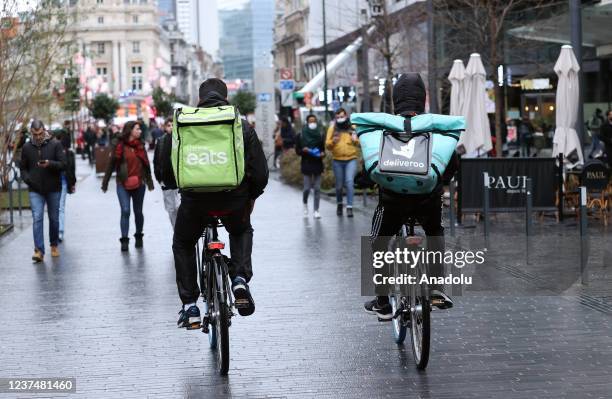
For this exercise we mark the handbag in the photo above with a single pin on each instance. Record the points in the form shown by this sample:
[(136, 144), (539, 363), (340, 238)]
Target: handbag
[(132, 183)]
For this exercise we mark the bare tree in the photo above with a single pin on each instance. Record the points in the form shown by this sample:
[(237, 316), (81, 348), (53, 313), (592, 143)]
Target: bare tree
[(480, 26), (34, 50), (395, 40)]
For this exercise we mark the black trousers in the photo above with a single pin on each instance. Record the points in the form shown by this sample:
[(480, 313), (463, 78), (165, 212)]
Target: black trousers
[(193, 216), (391, 215)]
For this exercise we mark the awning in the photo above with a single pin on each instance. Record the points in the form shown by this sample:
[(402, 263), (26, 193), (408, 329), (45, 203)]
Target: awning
[(336, 62), (596, 31)]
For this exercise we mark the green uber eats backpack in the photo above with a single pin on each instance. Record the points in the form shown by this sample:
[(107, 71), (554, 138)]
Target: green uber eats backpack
[(407, 156), (207, 148)]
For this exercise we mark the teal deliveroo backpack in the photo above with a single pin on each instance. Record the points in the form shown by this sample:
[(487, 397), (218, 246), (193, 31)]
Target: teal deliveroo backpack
[(207, 148), (407, 155)]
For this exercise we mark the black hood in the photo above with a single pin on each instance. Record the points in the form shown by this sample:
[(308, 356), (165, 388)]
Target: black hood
[(409, 94), (212, 99)]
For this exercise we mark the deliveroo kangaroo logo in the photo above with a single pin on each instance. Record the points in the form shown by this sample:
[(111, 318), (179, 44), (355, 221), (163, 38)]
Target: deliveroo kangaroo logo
[(406, 151)]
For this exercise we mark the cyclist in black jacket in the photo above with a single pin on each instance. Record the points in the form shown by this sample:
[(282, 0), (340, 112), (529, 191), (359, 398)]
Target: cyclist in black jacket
[(235, 208), (393, 209)]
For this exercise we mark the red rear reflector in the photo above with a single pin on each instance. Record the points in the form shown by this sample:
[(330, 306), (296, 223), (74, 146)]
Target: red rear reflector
[(414, 240), (216, 245)]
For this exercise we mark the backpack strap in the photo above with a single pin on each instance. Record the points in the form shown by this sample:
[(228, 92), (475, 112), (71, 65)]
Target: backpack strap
[(371, 168)]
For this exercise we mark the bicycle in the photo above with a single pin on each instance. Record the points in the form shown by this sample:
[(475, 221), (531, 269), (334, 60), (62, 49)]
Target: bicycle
[(218, 301), (412, 311)]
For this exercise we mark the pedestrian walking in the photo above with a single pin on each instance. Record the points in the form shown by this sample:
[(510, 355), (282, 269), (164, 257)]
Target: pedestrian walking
[(343, 143), (525, 131), (156, 134), (129, 159), (42, 161), (287, 134), (90, 142), (311, 147), (595, 124), (68, 178), (278, 145), (605, 135), (163, 173)]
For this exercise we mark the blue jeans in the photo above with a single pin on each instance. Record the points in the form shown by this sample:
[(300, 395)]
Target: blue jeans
[(62, 203), (37, 203), (344, 171), (137, 197)]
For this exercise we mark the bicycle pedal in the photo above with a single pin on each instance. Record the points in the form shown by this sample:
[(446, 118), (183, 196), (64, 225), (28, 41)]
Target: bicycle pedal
[(194, 326), (241, 303)]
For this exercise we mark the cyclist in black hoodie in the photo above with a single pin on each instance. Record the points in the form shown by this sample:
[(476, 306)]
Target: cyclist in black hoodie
[(236, 206), (393, 209)]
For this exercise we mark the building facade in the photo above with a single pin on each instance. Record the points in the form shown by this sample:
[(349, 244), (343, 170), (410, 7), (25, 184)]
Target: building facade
[(122, 49), (236, 42)]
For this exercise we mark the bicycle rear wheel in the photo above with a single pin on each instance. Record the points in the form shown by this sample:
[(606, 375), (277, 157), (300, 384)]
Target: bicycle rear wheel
[(420, 309), (221, 321)]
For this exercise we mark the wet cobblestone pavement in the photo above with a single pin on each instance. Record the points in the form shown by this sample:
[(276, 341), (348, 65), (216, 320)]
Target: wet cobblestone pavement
[(108, 318)]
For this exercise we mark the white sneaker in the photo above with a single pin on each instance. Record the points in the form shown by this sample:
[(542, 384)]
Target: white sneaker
[(317, 215), (305, 211)]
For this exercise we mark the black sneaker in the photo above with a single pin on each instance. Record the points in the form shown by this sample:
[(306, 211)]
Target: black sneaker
[(242, 297), (440, 300), (339, 210), (190, 318), (349, 212), (384, 312)]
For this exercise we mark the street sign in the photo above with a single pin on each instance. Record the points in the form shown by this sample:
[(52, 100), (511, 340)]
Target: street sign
[(264, 97), (264, 82), (286, 73), (287, 85)]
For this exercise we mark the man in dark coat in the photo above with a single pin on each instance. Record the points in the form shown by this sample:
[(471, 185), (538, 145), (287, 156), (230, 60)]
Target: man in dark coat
[(42, 162), (394, 209), (196, 211)]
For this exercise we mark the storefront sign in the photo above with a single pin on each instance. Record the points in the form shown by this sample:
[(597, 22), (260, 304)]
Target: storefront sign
[(507, 183), (536, 84), (595, 175)]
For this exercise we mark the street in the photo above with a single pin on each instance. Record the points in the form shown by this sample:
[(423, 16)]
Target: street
[(108, 319)]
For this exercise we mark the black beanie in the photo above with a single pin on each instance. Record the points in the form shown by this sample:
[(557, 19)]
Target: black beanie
[(409, 94), (213, 84)]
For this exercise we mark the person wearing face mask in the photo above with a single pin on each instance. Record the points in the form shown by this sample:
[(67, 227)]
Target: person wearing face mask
[(310, 146), (605, 135), (343, 143)]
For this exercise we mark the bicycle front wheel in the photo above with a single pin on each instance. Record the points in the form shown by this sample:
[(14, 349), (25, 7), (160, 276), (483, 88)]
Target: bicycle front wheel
[(420, 310)]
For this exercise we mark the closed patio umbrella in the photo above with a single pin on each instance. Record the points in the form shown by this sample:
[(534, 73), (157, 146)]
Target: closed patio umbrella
[(566, 139), (457, 80), (476, 139)]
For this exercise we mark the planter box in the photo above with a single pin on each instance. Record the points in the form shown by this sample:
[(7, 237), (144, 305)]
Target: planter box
[(25, 199)]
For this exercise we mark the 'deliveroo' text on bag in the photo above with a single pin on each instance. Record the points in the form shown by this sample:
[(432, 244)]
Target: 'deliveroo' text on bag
[(207, 148)]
